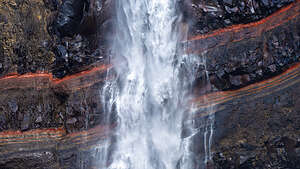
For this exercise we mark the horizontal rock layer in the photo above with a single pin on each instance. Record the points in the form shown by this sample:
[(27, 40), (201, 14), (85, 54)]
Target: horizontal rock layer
[(53, 148), (39, 81), (59, 123), (207, 15), (244, 54), (33, 36), (260, 89), (33, 101), (250, 123), (255, 127)]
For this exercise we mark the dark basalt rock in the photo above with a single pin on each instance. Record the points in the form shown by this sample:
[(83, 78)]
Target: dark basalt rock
[(236, 64), (73, 54), (207, 15), (254, 128), (80, 35), (260, 133), (279, 154), (52, 4), (54, 154), (60, 69), (24, 62), (37, 160), (69, 18), (25, 122)]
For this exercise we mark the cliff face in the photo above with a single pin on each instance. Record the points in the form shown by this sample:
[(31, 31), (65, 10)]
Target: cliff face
[(53, 66)]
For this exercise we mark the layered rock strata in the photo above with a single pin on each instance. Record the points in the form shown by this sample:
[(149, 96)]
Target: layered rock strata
[(205, 16), (51, 114), (243, 54), (35, 101), (53, 148), (256, 126)]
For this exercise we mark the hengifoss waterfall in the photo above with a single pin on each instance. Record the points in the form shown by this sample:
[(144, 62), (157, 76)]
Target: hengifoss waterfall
[(149, 84), (149, 96)]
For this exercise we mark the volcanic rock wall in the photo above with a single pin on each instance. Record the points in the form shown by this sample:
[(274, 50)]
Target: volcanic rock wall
[(51, 78)]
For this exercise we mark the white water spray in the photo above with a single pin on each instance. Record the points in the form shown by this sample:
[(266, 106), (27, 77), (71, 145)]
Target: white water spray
[(150, 91)]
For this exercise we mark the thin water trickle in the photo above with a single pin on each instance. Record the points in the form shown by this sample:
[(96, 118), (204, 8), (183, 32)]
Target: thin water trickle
[(149, 93)]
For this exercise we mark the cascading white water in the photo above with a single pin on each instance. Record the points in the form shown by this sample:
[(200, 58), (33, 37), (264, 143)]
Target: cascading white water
[(149, 92)]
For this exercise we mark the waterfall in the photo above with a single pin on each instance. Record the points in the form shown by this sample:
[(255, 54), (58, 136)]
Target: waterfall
[(149, 93)]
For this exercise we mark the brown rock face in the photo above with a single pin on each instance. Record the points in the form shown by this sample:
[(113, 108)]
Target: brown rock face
[(30, 41), (24, 36)]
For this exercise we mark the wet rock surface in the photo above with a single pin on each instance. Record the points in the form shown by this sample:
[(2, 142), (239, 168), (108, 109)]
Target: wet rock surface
[(73, 55), (283, 156), (207, 15)]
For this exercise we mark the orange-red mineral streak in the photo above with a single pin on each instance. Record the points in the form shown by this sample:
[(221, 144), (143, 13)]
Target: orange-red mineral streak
[(88, 78), (46, 80), (260, 89), (243, 31), (54, 134)]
